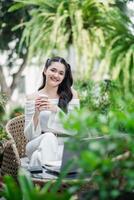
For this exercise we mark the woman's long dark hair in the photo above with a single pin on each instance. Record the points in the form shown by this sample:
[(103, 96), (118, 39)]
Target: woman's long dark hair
[(64, 89)]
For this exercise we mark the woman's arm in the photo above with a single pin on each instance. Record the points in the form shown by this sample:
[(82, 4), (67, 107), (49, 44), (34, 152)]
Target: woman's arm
[(32, 126)]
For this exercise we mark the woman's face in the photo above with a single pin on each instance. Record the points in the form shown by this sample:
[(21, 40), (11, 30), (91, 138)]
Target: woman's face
[(55, 74)]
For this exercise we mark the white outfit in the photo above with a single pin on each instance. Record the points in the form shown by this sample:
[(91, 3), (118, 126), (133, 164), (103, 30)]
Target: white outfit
[(45, 147)]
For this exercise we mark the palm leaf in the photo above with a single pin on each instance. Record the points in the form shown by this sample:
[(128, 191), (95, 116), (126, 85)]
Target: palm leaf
[(97, 30)]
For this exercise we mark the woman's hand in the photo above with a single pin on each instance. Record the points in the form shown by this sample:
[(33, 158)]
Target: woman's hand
[(38, 102), (44, 104), (47, 105)]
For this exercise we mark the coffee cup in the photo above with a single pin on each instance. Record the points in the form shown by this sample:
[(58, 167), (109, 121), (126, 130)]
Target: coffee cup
[(43, 96)]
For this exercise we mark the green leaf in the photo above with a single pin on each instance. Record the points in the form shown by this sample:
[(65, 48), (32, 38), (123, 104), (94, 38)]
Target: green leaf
[(15, 7), (26, 184), (11, 190)]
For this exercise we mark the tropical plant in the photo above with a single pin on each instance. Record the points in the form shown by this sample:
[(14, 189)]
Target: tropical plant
[(119, 55), (105, 101), (97, 95), (109, 161), (60, 24), (98, 30), (107, 153), (26, 189)]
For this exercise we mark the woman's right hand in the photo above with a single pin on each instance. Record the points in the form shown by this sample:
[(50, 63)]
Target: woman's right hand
[(37, 104)]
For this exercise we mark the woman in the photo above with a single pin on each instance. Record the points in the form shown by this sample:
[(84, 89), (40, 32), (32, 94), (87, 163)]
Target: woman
[(42, 123)]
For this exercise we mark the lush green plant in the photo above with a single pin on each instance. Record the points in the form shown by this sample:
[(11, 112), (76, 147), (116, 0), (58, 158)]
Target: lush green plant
[(109, 165), (98, 30), (26, 189), (17, 111), (109, 161), (97, 95), (110, 175), (105, 108)]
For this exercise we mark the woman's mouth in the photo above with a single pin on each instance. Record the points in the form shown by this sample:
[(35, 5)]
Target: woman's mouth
[(54, 79)]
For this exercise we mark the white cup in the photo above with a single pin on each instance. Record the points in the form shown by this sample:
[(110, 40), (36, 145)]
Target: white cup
[(43, 96)]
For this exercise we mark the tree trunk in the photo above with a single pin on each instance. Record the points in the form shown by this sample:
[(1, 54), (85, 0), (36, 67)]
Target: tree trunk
[(8, 90), (3, 84), (17, 75)]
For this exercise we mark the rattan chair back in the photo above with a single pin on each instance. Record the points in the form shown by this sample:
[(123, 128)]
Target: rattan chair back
[(15, 130)]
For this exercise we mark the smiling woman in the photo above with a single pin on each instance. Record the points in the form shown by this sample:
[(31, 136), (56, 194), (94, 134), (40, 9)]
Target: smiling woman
[(42, 124)]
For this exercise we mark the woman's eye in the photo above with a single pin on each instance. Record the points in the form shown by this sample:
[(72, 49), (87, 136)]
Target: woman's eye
[(61, 74), (53, 70)]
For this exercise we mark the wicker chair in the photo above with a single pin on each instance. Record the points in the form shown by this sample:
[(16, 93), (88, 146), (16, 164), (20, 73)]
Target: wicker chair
[(15, 147)]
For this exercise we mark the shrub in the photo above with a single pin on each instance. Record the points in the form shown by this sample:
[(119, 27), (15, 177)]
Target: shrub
[(17, 111)]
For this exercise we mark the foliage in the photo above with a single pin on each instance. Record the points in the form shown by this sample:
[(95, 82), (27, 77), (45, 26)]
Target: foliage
[(106, 156), (17, 111), (3, 134), (3, 138), (107, 153), (96, 95), (7, 22), (98, 30), (26, 189), (9, 42), (119, 54), (3, 100), (104, 105), (108, 164)]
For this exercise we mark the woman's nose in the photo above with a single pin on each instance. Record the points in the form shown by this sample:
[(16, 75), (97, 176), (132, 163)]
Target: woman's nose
[(56, 74)]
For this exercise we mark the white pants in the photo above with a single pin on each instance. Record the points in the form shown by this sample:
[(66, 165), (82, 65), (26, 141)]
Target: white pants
[(47, 147)]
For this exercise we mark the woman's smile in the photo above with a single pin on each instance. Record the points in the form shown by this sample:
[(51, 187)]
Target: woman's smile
[(54, 79)]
